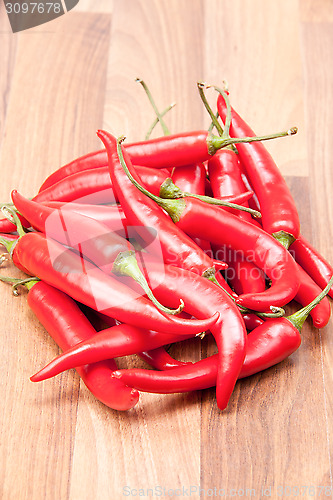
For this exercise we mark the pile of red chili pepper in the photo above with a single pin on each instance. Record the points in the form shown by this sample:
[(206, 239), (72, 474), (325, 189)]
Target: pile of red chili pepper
[(138, 246)]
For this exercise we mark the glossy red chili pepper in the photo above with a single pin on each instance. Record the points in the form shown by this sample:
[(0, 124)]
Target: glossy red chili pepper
[(87, 284), (116, 341), (110, 251), (191, 179), (160, 359), (92, 238), (312, 262), (307, 292), (178, 248), (175, 150), (267, 345), (164, 152), (252, 321), (244, 276), (67, 325), (198, 219), (112, 217), (94, 186), (206, 221), (279, 212), (88, 187), (229, 331), (225, 178)]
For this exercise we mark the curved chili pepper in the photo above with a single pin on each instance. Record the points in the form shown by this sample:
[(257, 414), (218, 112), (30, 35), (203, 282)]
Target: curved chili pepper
[(109, 343), (225, 178), (9, 242), (244, 276), (307, 292), (205, 221), (229, 331), (160, 359), (87, 284), (191, 178), (94, 186), (67, 325), (90, 186), (252, 321), (267, 345), (178, 249), (312, 262), (108, 250), (279, 212), (163, 152)]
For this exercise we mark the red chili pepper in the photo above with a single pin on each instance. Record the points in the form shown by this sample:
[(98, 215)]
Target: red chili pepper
[(252, 321), (164, 152), (229, 331), (244, 276), (307, 292), (160, 359), (279, 212), (205, 221), (111, 252), (191, 178), (312, 262), (9, 242), (87, 284), (94, 186), (67, 325), (225, 178), (178, 249), (267, 345), (116, 341), (112, 216)]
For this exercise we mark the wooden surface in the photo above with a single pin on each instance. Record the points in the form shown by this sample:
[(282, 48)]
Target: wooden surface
[(58, 84)]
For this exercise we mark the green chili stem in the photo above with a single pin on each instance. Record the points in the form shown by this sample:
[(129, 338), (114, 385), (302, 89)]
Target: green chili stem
[(277, 312), (226, 132), (219, 142), (169, 190), (16, 282), (12, 216), (215, 122), (298, 318), (126, 264), (156, 121), (152, 102)]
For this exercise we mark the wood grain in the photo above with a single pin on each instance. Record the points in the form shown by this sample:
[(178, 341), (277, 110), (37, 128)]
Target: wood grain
[(259, 56), (58, 84), (53, 108), (54, 76)]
